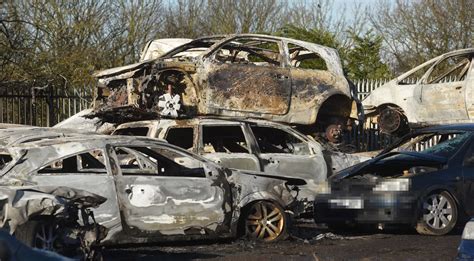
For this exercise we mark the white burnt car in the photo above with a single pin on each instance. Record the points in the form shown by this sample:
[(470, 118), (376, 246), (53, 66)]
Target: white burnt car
[(439, 91), (153, 191)]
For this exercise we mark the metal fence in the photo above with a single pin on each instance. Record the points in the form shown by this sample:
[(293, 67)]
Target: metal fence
[(47, 106), (41, 106), (367, 136)]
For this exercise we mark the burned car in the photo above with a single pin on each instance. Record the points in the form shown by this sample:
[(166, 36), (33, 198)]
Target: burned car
[(424, 180), (255, 145), (250, 76), (154, 191), (439, 91)]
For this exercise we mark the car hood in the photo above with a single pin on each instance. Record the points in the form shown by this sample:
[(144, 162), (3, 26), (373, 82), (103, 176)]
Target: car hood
[(356, 169), (122, 69)]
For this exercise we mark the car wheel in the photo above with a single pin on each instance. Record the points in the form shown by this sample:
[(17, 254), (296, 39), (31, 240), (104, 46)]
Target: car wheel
[(266, 221), (393, 121), (38, 234), (439, 214)]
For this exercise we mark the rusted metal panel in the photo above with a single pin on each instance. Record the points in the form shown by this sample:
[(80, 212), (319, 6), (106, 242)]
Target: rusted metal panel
[(278, 92)]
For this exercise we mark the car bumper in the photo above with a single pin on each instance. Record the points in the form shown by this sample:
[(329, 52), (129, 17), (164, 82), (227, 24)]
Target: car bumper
[(395, 208)]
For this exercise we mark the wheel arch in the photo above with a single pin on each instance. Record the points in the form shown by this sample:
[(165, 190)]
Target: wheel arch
[(336, 105), (435, 189)]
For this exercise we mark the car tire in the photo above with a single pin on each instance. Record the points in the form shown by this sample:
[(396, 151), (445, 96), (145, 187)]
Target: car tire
[(37, 234), (265, 221), (438, 214)]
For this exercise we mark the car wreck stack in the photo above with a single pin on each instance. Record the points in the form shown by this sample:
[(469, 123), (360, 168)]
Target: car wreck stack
[(231, 135)]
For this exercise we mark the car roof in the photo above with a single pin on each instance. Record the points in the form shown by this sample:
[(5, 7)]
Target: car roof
[(202, 119), (89, 140)]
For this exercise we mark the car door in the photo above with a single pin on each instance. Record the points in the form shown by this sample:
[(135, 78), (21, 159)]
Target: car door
[(284, 153), (163, 192), (443, 90), (86, 170), (228, 145), (468, 178), (247, 74)]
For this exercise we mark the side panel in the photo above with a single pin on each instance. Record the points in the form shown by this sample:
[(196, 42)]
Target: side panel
[(248, 88), (106, 214), (310, 88), (311, 168), (245, 161), (442, 102), (157, 206)]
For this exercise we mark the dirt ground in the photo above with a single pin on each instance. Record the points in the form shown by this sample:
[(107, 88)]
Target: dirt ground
[(308, 242)]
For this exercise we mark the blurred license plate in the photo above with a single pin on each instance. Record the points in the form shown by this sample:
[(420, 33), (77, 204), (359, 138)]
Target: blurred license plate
[(352, 203)]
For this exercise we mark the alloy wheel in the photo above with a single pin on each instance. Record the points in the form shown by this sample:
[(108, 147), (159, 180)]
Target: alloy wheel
[(265, 221), (438, 211)]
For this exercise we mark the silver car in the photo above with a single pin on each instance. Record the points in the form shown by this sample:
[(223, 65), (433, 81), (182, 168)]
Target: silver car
[(252, 145), (155, 191)]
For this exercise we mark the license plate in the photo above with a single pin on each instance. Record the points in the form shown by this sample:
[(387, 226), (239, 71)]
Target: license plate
[(350, 203)]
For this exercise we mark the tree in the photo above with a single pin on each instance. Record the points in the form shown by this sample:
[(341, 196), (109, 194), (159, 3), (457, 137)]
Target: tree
[(415, 31), (363, 61), (59, 41)]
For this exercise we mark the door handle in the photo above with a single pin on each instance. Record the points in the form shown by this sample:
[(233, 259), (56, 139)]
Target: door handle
[(458, 87)]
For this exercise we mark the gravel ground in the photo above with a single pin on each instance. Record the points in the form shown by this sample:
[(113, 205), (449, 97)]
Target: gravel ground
[(307, 242)]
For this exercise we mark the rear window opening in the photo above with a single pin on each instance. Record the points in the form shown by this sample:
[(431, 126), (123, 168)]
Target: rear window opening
[(138, 131), (181, 137), (227, 139), (4, 160), (271, 140)]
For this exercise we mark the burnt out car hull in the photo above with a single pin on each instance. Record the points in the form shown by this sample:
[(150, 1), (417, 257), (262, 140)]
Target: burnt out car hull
[(439, 91), (241, 76), (155, 191), (250, 145), (427, 188)]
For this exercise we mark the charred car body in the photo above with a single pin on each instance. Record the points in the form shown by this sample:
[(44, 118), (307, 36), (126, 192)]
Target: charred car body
[(154, 191), (439, 91), (245, 76), (424, 180), (255, 145)]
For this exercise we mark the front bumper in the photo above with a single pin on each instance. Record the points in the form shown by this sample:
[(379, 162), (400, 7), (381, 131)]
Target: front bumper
[(373, 208)]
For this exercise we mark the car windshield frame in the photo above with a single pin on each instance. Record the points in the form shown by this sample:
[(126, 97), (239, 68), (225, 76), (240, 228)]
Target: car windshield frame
[(414, 138), (194, 44)]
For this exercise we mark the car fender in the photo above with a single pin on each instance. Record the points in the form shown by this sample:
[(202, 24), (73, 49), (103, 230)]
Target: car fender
[(261, 195)]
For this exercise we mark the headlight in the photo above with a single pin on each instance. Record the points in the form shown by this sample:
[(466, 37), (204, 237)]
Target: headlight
[(468, 232), (393, 185), (323, 188)]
